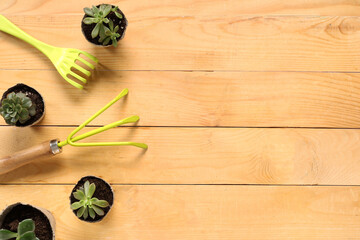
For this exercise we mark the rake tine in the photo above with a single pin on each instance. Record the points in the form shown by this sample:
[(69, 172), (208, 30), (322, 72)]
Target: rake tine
[(89, 56), (68, 140), (122, 94), (72, 141), (72, 82), (77, 76), (81, 69), (103, 144), (86, 62)]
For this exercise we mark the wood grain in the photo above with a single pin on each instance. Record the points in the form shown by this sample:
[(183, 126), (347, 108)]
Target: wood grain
[(205, 212), (242, 43), (145, 8), (195, 156), (23, 157), (203, 75), (201, 98)]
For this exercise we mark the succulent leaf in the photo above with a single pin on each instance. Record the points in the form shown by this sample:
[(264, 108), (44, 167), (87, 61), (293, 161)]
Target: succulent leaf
[(10, 96), (111, 25), (28, 236), (76, 205), (86, 188), (118, 15), (26, 226), (89, 12), (101, 8), (92, 188), (89, 20), (98, 210), (115, 10), (92, 213), (13, 114), (79, 195), (24, 113), (114, 42), (106, 9), (32, 110), (106, 41), (95, 10), (14, 119), (80, 212), (6, 234), (95, 31), (86, 213), (100, 203)]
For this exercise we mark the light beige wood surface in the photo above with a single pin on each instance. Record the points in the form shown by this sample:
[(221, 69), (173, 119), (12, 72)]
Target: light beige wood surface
[(145, 8), (195, 155), (239, 99), (206, 212), (240, 43), (210, 81)]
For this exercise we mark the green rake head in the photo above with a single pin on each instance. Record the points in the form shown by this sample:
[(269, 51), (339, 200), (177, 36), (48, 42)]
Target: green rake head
[(71, 140), (66, 61)]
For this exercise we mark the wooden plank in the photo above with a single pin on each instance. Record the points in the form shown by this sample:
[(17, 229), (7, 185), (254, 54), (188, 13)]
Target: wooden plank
[(195, 156), (240, 43), (201, 98), (144, 8), (205, 212)]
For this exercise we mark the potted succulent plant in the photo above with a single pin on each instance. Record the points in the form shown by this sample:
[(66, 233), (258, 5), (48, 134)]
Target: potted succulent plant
[(104, 24), (25, 222), (91, 199), (25, 231), (22, 106)]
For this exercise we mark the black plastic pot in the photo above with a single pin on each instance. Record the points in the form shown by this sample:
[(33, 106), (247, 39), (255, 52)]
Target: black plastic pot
[(43, 219), (103, 191), (35, 97), (122, 23)]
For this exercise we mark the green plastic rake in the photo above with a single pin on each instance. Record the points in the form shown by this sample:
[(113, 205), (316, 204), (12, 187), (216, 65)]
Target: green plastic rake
[(64, 59), (53, 147)]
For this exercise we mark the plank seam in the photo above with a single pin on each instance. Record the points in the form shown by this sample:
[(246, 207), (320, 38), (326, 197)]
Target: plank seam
[(184, 70), (188, 184), (220, 127)]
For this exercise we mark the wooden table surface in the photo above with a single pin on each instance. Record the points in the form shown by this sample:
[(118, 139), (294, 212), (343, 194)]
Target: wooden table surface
[(251, 109)]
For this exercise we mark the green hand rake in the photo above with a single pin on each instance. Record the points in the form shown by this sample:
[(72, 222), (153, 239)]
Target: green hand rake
[(64, 59), (53, 147)]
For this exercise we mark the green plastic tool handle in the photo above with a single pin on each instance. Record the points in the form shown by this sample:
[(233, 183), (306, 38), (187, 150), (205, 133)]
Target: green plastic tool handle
[(12, 29)]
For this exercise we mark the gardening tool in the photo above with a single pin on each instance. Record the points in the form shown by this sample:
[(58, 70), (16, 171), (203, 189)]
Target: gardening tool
[(53, 147), (63, 58)]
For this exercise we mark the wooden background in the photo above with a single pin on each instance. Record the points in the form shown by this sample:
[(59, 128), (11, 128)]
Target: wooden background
[(251, 109)]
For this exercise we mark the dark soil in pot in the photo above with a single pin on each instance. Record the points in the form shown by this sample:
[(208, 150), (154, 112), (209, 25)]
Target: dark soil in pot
[(122, 23), (20, 212), (35, 98), (103, 191)]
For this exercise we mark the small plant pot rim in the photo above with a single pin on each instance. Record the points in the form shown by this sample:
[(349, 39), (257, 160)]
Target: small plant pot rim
[(110, 206), (110, 45), (9, 90), (47, 214)]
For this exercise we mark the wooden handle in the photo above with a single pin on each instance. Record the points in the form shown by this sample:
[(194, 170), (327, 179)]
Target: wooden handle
[(26, 156)]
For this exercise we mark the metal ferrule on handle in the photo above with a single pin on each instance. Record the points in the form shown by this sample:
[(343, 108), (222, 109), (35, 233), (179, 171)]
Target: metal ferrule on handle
[(18, 159)]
